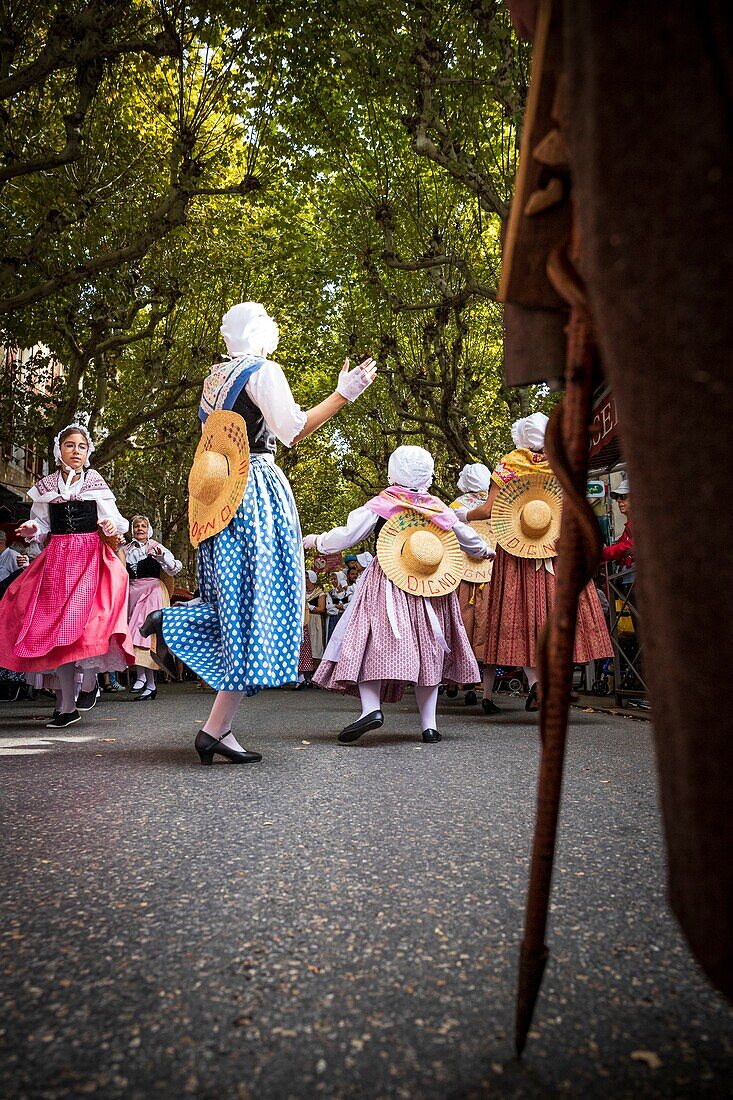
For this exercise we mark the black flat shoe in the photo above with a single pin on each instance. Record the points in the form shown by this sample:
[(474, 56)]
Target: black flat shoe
[(489, 707), (471, 699), (452, 691), (161, 654), (353, 732), (61, 721), (206, 746), (85, 700), (431, 737), (532, 697)]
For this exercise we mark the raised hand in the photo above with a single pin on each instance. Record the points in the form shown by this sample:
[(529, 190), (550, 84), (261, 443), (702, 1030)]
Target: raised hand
[(352, 383)]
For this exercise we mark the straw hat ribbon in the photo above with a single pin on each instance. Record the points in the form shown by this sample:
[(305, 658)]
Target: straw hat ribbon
[(218, 476), (419, 557), (526, 516)]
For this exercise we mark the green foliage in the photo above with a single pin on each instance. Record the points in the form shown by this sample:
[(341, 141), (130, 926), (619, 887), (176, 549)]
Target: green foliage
[(348, 164)]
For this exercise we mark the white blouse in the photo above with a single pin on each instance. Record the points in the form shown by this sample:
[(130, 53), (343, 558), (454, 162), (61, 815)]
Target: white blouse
[(362, 521), (269, 389), (104, 499)]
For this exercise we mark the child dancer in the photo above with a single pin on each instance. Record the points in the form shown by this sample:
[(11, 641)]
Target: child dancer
[(68, 611), (146, 560), (389, 636)]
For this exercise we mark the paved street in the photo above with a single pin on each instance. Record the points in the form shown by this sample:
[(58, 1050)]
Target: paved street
[(336, 921)]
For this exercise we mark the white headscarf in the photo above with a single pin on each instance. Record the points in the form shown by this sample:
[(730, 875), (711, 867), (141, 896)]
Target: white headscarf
[(132, 524), (76, 428), (412, 468), (474, 478), (312, 576), (365, 559), (248, 329), (529, 433)]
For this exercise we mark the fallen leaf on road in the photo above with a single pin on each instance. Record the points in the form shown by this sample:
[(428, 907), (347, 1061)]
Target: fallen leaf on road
[(648, 1057)]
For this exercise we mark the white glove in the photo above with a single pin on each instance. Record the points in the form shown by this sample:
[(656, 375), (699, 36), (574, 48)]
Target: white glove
[(27, 530), (309, 542), (488, 552), (461, 513), (352, 383)]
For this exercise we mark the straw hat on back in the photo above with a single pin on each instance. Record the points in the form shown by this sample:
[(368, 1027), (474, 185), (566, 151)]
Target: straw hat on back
[(419, 557), (478, 570), (218, 476), (526, 516)]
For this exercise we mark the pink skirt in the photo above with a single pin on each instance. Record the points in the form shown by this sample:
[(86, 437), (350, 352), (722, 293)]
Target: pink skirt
[(146, 595), (371, 650), (70, 605), (520, 599)]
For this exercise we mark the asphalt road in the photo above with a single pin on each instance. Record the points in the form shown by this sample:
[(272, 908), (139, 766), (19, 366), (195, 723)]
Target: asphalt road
[(338, 921)]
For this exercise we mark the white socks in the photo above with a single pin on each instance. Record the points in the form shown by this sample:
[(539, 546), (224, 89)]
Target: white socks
[(370, 693), (427, 700), (222, 714)]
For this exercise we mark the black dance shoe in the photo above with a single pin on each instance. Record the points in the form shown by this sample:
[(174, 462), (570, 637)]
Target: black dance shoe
[(206, 746), (431, 737), (161, 654), (489, 707), (61, 721), (532, 702), (353, 732), (146, 694), (85, 700), (471, 698)]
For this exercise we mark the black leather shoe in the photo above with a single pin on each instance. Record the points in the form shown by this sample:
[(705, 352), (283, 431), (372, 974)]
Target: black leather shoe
[(532, 702), (61, 721), (161, 654), (471, 699), (430, 737), (489, 707), (206, 746), (353, 732), (146, 693)]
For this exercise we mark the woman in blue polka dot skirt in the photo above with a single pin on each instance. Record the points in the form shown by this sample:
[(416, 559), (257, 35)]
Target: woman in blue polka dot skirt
[(245, 633)]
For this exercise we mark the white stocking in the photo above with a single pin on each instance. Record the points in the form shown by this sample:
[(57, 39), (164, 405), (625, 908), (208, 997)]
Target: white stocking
[(531, 673), (139, 678), (67, 680), (149, 679), (89, 680), (488, 674), (221, 717), (427, 700), (370, 693)]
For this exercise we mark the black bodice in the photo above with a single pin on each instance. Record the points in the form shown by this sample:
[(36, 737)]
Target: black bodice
[(73, 517), (146, 567), (261, 439)]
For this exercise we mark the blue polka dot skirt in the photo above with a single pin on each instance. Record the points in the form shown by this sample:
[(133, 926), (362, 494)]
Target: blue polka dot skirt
[(246, 633)]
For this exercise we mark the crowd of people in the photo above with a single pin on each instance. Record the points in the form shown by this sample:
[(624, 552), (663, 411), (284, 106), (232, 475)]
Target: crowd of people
[(420, 607)]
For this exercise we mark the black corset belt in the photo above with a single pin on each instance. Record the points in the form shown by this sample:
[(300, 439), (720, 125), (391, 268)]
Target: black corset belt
[(73, 517)]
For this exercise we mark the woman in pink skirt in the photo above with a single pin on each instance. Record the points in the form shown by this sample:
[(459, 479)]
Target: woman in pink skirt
[(388, 637), (68, 612), (522, 590), (146, 562)]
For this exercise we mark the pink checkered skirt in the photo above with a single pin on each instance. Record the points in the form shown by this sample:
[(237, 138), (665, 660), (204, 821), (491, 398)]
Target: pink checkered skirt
[(69, 605), (371, 650)]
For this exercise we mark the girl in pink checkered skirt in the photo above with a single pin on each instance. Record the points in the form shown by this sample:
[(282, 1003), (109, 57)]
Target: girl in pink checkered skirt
[(68, 612), (389, 636)]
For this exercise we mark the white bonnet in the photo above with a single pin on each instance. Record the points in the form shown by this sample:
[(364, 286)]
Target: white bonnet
[(248, 329), (474, 478), (529, 432), (411, 467), (311, 575), (77, 428), (365, 559)]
